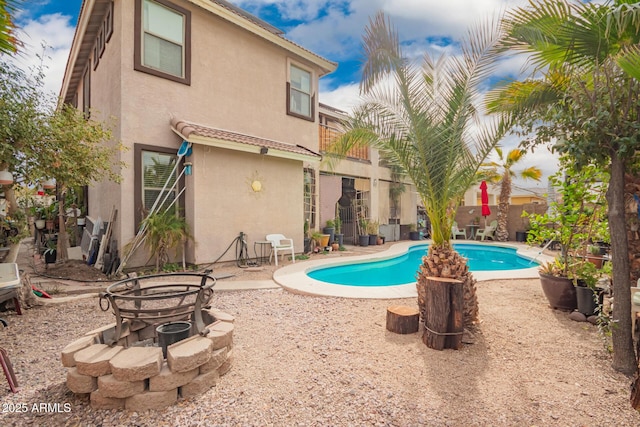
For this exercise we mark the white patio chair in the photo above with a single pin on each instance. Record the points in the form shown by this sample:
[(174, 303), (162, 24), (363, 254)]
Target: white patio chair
[(455, 231), (279, 243), (488, 232)]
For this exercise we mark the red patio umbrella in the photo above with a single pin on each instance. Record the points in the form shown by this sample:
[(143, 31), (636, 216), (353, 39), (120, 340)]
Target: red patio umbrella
[(484, 196)]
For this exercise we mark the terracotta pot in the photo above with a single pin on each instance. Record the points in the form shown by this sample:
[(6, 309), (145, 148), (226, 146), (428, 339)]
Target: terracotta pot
[(335, 246), (595, 260), (560, 292)]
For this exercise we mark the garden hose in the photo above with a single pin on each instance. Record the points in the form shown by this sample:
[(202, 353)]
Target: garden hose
[(242, 253)]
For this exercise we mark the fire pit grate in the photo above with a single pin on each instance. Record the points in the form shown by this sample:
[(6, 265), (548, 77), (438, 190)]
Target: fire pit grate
[(157, 298)]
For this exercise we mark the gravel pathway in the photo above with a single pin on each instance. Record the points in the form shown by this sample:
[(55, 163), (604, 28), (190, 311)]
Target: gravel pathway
[(314, 361)]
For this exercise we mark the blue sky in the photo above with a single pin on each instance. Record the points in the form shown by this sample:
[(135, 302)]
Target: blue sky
[(330, 28)]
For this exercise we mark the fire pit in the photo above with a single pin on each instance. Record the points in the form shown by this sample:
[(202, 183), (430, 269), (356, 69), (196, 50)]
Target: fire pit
[(122, 365), (148, 299)]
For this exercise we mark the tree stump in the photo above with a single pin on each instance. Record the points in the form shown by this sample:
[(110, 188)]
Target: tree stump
[(443, 325), (402, 319)]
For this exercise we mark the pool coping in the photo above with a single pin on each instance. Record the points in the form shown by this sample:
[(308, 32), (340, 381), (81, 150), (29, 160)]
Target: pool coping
[(294, 277)]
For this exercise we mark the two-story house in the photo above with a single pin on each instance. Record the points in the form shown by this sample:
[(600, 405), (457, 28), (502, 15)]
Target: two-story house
[(362, 185), (237, 96)]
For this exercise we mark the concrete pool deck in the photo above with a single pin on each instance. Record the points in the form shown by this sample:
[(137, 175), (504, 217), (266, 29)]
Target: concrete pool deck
[(294, 277)]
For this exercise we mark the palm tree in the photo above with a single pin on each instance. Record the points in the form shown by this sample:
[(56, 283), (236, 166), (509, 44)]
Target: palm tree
[(587, 99), (8, 41), (165, 231), (502, 173), (425, 120)]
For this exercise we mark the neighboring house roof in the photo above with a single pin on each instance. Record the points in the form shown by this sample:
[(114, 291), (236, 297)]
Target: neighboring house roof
[(92, 13), (200, 134)]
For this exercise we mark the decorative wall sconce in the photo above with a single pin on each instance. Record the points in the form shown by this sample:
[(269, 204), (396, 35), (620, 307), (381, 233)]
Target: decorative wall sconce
[(256, 186)]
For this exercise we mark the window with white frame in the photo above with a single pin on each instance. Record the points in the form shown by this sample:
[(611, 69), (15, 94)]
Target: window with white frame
[(310, 197), (300, 98), (162, 40)]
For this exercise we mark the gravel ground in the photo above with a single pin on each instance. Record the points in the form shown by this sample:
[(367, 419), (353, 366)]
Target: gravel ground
[(314, 361)]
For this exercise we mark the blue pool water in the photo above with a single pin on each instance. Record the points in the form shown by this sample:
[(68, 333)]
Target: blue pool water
[(402, 269)]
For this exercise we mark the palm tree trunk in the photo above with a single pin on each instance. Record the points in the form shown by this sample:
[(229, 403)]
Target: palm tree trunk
[(502, 234), (443, 261)]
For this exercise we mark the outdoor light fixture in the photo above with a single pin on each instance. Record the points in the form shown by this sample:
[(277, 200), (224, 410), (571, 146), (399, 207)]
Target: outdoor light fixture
[(264, 150), (6, 177)]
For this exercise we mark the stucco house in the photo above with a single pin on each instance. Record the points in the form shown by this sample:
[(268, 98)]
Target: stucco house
[(362, 184), (228, 85)]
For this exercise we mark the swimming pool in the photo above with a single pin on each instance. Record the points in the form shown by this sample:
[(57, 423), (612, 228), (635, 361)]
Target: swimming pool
[(295, 277), (402, 269)]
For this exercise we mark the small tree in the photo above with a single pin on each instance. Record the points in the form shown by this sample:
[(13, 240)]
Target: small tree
[(39, 141)]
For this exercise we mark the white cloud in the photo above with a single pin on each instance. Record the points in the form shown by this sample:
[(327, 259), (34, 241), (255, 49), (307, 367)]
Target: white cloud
[(55, 32), (343, 97)]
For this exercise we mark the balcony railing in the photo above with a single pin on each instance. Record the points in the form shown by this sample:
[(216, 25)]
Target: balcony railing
[(328, 134)]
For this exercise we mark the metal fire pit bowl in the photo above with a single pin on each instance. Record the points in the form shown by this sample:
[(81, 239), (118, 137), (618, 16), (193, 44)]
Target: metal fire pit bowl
[(157, 299)]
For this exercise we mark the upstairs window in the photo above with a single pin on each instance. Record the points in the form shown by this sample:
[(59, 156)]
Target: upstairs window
[(162, 44), (299, 97)]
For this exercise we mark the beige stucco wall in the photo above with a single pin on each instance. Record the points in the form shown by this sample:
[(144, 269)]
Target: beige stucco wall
[(238, 83), (225, 204), (330, 192), (105, 82)]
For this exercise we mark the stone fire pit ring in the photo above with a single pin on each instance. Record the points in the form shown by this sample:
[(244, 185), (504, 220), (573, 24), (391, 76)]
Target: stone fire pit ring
[(159, 298)]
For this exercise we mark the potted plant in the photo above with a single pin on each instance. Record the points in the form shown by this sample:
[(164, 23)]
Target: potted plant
[(569, 223), (594, 256), (363, 237), (557, 287), (414, 234), (50, 253), (588, 294), (372, 230), (330, 229), (39, 217), (338, 236), (316, 241), (50, 212)]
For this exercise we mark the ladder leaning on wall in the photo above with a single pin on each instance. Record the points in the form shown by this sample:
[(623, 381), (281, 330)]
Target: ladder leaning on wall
[(138, 240)]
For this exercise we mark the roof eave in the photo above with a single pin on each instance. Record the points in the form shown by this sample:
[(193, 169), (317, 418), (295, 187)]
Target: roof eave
[(247, 148)]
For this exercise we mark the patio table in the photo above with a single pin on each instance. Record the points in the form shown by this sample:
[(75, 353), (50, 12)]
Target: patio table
[(472, 230)]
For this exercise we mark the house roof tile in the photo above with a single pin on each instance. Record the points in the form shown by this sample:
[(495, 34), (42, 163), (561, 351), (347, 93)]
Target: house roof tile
[(189, 130)]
